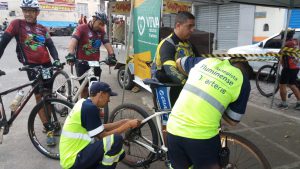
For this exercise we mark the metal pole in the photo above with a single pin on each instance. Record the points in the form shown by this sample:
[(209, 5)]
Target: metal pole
[(282, 45), (128, 43)]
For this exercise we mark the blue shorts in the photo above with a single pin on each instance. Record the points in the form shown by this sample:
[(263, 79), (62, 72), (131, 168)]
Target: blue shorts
[(185, 152), (91, 156)]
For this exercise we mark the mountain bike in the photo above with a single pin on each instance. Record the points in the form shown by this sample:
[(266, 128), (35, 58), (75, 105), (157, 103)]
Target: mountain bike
[(64, 85), (35, 127), (145, 144), (266, 78)]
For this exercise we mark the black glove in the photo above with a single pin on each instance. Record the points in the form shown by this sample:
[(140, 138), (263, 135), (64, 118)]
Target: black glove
[(70, 58), (111, 60), (57, 64)]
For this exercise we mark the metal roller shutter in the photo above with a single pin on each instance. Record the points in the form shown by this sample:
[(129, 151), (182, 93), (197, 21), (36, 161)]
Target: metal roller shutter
[(228, 26), (295, 19), (169, 20)]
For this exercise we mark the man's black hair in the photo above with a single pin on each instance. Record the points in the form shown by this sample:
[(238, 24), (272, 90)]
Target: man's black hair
[(183, 16), (247, 69), (290, 34)]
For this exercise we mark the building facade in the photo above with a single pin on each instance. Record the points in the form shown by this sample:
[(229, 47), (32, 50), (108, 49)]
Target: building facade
[(53, 12)]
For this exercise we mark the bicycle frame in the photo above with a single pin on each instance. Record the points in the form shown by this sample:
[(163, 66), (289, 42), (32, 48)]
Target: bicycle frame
[(87, 76), (156, 115)]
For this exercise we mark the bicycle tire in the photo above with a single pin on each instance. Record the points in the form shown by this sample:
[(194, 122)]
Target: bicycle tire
[(106, 114), (266, 76), (130, 136), (34, 123), (64, 85), (239, 145)]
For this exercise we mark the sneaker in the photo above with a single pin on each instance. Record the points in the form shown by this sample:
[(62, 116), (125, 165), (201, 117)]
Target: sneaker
[(297, 107), (282, 106), (50, 139)]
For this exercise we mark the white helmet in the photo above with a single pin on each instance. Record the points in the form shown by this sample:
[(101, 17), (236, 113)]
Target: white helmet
[(30, 4)]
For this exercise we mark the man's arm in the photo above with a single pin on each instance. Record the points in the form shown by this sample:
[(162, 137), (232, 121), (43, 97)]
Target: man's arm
[(109, 48), (122, 127), (167, 56), (236, 109), (52, 49), (72, 45), (6, 37)]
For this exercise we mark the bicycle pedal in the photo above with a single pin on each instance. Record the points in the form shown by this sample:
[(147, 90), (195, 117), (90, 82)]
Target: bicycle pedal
[(1, 134)]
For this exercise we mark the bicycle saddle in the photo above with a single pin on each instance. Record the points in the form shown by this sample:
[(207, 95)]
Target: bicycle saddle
[(155, 82)]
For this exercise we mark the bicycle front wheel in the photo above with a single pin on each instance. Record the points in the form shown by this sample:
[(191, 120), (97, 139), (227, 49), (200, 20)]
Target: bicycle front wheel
[(243, 153), (137, 140), (36, 130), (62, 86), (265, 80)]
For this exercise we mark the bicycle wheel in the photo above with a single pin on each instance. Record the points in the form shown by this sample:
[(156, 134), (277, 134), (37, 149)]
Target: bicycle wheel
[(243, 154), (137, 154), (56, 118), (265, 80), (62, 86)]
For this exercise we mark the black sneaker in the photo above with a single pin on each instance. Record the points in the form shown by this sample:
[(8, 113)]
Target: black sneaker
[(297, 107), (282, 106)]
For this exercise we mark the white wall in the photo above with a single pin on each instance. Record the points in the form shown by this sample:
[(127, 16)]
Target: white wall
[(275, 17)]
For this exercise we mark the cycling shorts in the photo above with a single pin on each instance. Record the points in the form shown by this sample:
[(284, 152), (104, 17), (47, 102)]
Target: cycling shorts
[(186, 152), (82, 67), (32, 76), (288, 76)]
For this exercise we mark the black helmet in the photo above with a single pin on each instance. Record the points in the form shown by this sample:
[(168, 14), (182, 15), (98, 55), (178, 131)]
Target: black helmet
[(290, 34), (101, 16)]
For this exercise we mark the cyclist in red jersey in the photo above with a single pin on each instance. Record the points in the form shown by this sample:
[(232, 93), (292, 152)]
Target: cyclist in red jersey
[(85, 46), (289, 72), (33, 44)]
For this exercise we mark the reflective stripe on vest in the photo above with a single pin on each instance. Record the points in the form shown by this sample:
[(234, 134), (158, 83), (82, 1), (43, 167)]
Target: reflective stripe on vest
[(108, 160), (205, 96), (233, 115), (212, 85), (76, 135)]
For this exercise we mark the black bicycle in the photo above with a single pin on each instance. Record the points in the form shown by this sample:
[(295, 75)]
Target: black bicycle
[(266, 78), (36, 131)]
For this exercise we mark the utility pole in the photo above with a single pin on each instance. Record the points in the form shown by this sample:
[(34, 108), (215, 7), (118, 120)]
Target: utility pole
[(102, 5)]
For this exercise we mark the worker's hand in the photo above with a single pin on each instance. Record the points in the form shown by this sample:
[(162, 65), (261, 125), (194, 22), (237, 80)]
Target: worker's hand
[(134, 123), (70, 58)]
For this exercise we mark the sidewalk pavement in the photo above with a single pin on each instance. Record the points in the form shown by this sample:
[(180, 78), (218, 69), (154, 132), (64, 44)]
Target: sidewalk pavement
[(260, 100)]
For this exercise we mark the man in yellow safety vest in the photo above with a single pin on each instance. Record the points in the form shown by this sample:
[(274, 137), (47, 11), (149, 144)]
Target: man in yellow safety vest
[(214, 89)]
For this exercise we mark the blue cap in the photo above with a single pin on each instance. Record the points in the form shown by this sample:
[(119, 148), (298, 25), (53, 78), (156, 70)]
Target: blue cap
[(97, 87)]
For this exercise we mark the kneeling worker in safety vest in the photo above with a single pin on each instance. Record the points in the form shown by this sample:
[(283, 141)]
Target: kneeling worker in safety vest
[(215, 89), (86, 142)]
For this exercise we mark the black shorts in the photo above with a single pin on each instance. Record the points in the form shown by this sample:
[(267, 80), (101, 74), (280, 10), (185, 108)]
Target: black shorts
[(185, 152), (91, 156), (83, 66), (32, 76), (288, 76)]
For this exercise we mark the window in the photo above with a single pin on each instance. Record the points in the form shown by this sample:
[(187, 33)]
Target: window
[(266, 27), (12, 13), (260, 14), (274, 43)]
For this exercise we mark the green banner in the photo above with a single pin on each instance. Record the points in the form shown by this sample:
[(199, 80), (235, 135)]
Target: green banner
[(146, 26)]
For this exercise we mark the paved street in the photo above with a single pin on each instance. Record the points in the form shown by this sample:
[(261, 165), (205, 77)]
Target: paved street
[(274, 131)]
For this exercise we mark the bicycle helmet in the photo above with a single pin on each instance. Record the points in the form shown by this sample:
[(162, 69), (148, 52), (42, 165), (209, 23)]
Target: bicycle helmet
[(30, 4), (101, 16)]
